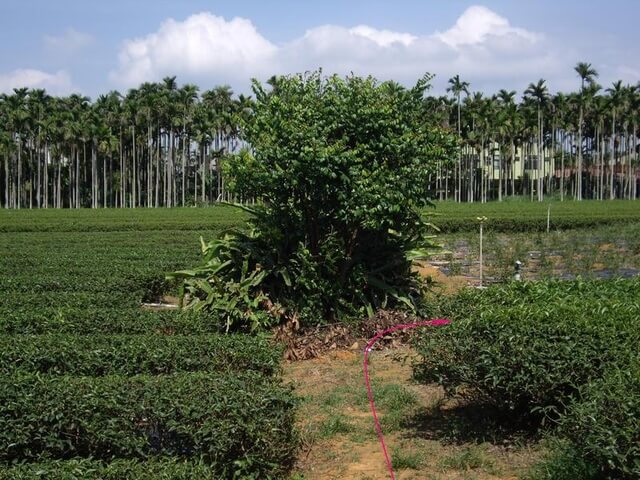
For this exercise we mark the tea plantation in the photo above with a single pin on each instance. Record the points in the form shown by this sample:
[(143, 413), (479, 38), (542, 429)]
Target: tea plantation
[(94, 386), (561, 356)]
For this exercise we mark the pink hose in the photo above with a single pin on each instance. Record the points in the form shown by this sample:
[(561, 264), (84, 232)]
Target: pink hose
[(367, 349)]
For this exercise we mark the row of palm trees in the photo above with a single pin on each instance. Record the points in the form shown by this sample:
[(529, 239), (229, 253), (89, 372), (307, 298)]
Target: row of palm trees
[(582, 144), (164, 145), (159, 145)]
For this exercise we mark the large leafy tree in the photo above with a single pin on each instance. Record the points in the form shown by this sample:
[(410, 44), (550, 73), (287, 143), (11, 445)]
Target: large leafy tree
[(341, 167)]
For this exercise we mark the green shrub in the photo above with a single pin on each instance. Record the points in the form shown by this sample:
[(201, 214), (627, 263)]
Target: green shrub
[(41, 319), (532, 216), (528, 348), (219, 419), (563, 462), (603, 422), (216, 217), (97, 355), (77, 469), (342, 168)]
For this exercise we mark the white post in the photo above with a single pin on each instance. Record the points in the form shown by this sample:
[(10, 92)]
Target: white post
[(481, 254), (481, 220), (548, 217)]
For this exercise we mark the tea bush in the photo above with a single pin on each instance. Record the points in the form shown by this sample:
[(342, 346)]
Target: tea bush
[(97, 355), (560, 351), (94, 386), (532, 216), (217, 418), (528, 348), (603, 422), (153, 469)]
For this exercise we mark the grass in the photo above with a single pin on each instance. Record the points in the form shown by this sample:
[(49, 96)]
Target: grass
[(394, 397), (402, 459), (562, 463), (603, 251), (335, 424), (469, 458)]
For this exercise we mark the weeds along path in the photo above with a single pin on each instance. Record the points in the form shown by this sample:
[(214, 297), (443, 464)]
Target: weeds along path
[(427, 436)]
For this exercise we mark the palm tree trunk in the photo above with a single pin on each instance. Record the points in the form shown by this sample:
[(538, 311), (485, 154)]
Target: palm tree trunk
[(104, 181), (47, 157), (19, 175), (59, 200), (578, 195), (134, 169), (540, 157), (39, 176), (94, 175), (612, 155), (184, 163), (6, 180), (204, 172), (158, 159)]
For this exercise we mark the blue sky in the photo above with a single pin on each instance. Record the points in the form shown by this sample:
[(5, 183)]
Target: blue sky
[(93, 46)]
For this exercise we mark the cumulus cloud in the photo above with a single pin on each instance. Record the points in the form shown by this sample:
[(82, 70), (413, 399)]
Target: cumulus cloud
[(383, 38), (57, 83), (70, 42), (478, 23), (482, 46), (204, 44)]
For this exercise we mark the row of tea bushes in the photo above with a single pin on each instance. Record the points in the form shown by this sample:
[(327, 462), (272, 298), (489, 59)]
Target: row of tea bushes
[(161, 468), (97, 355), (92, 385), (91, 320), (120, 220), (219, 419), (527, 216), (108, 270), (451, 217), (539, 351)]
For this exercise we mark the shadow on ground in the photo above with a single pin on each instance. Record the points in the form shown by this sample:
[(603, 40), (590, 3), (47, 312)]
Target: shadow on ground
[(468, 424)]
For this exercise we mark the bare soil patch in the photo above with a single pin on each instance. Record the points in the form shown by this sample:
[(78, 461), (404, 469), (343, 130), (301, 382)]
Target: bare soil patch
[(424, 431)]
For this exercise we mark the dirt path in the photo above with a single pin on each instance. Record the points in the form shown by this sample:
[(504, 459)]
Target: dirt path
[(425, 434), (444, 284)]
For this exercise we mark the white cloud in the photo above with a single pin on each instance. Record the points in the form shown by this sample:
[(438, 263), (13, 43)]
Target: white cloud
[(70, 42), (203, 44), (478, 23), (481, 46), (384, 38), (57, 83)]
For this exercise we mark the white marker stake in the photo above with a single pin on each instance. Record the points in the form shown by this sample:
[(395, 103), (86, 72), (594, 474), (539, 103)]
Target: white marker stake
[(548, 217), (481, 254), (481, 220)]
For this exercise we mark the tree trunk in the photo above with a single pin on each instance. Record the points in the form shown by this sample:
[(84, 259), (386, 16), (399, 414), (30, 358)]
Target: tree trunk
[(19, 175), (6, 180), (612, 157)]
